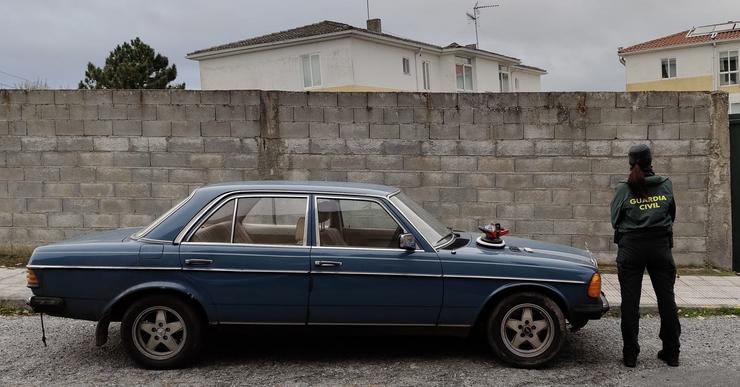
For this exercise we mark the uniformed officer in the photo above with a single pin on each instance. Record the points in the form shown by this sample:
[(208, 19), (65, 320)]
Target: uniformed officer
[(643, 211)]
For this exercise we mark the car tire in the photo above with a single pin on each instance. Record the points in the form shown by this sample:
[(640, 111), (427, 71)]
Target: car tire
[(526, 330), (162, 332)]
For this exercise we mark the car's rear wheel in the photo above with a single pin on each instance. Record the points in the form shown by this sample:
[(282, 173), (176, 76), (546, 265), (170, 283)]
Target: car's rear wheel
[(162, 332), (526, 330)]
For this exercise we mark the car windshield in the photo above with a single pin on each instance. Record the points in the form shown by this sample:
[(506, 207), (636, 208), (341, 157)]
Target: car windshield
[(432, 229)]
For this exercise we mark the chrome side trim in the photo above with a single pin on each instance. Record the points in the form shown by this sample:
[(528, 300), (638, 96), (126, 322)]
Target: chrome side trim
[(337, 324), (376, 273), (233, 218), (101, 267), (258, 323), (376, 324), (148, 240), (454, 325), (512, 278), (367, 248), (247, 270), (243, 245), (404, 259), (398, 191)]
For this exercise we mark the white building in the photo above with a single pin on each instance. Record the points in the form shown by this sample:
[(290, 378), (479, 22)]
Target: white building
[(331, 56), (698, 59)]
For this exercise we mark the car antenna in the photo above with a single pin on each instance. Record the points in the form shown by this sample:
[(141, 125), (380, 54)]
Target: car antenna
[(43, 330)]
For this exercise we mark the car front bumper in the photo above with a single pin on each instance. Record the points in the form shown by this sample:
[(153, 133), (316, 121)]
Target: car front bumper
[(590, 311)]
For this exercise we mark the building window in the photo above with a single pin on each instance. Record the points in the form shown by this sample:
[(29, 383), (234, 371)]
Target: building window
[(311, 70), (406, 66), (503, 78), (464, 74), (728, 70), (735, 108), (425, 73), (516, 84), (668, 68)]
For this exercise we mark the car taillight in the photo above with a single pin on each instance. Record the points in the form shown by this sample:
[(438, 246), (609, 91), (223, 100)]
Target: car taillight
[(594, 286), (31, 280)]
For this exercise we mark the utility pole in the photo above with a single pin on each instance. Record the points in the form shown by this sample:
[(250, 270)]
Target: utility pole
[(368, 9), (475, 16)]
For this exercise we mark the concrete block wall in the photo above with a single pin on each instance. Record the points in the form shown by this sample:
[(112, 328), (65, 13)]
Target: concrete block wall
[(542, 164)]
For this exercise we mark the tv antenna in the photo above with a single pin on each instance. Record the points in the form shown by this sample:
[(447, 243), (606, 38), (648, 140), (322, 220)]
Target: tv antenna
[(476, 15)]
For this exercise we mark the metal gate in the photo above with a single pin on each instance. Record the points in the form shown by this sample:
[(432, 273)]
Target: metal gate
[(735, 188)]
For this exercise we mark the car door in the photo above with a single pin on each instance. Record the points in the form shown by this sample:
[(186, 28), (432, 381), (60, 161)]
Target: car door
[(250, 255), (360, 275)]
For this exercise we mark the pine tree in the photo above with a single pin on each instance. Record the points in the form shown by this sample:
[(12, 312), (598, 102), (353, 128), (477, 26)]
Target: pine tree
[(132, 65)]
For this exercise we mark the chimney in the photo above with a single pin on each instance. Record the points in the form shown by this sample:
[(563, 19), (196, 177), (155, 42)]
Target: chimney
[(373, 25)]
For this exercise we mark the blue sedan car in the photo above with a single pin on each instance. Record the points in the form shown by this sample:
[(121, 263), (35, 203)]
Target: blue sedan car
[(313, 254)]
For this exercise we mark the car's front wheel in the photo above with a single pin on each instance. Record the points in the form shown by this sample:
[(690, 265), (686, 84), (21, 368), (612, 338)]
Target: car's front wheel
[(526, 330), (162, 332)]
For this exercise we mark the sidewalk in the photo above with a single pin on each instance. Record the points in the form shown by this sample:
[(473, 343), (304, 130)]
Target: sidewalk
[(691, 291)]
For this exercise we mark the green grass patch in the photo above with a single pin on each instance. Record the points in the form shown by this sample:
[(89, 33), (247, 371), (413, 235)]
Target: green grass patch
[(15, 256), (13, 261), (14, 310), (708, 312)]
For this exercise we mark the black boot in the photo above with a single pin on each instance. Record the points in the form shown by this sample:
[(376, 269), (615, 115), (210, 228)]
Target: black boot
[(669, 358), (630, 360)]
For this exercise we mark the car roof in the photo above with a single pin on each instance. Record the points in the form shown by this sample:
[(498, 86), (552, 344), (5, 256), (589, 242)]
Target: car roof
[(334, 187)]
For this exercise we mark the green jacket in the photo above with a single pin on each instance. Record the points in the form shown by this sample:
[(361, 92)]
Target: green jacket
[(634, 214)]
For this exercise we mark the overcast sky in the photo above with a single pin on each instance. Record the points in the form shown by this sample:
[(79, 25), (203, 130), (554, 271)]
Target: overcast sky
[(574, 40)]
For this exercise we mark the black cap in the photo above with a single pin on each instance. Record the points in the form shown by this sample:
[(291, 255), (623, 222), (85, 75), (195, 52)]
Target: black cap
[(640, 154)]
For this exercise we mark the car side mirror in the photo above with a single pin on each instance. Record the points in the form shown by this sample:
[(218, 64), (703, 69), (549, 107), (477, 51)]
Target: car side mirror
[(407, 242)]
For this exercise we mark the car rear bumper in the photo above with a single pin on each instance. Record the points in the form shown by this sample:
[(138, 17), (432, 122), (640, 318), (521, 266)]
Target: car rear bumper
[(54, 306), (590, 311)]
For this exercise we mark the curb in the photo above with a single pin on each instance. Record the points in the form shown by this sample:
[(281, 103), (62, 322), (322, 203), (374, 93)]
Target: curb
[(14, 302), (652, 310)]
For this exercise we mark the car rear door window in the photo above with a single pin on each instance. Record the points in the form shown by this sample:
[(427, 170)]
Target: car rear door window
[(218, 227), (270, 220)]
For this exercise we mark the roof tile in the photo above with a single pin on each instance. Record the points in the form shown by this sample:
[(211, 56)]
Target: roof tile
[(322, 28), (679, 39)]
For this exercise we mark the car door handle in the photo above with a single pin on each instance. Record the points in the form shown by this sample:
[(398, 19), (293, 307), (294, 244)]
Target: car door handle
[(198, 262), (327, 263)]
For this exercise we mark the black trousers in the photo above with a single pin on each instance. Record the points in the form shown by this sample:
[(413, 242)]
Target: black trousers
[(638, 252)]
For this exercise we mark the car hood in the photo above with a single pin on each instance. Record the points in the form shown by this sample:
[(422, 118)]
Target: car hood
[(118, 235), (529, 250)]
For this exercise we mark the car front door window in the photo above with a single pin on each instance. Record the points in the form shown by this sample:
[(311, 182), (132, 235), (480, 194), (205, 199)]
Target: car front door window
[(355, 223)]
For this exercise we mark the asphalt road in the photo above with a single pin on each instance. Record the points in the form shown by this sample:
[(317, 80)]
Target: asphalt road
[(710, 356)]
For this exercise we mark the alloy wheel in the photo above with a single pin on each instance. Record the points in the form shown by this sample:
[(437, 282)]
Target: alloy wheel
[(159, 332), (526, 330)]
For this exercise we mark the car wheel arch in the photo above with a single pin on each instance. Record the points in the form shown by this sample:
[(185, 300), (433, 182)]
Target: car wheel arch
[(506, 290), (116, 308)]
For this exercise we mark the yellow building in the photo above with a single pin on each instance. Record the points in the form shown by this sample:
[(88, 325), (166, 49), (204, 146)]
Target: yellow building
[(700, 58)]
